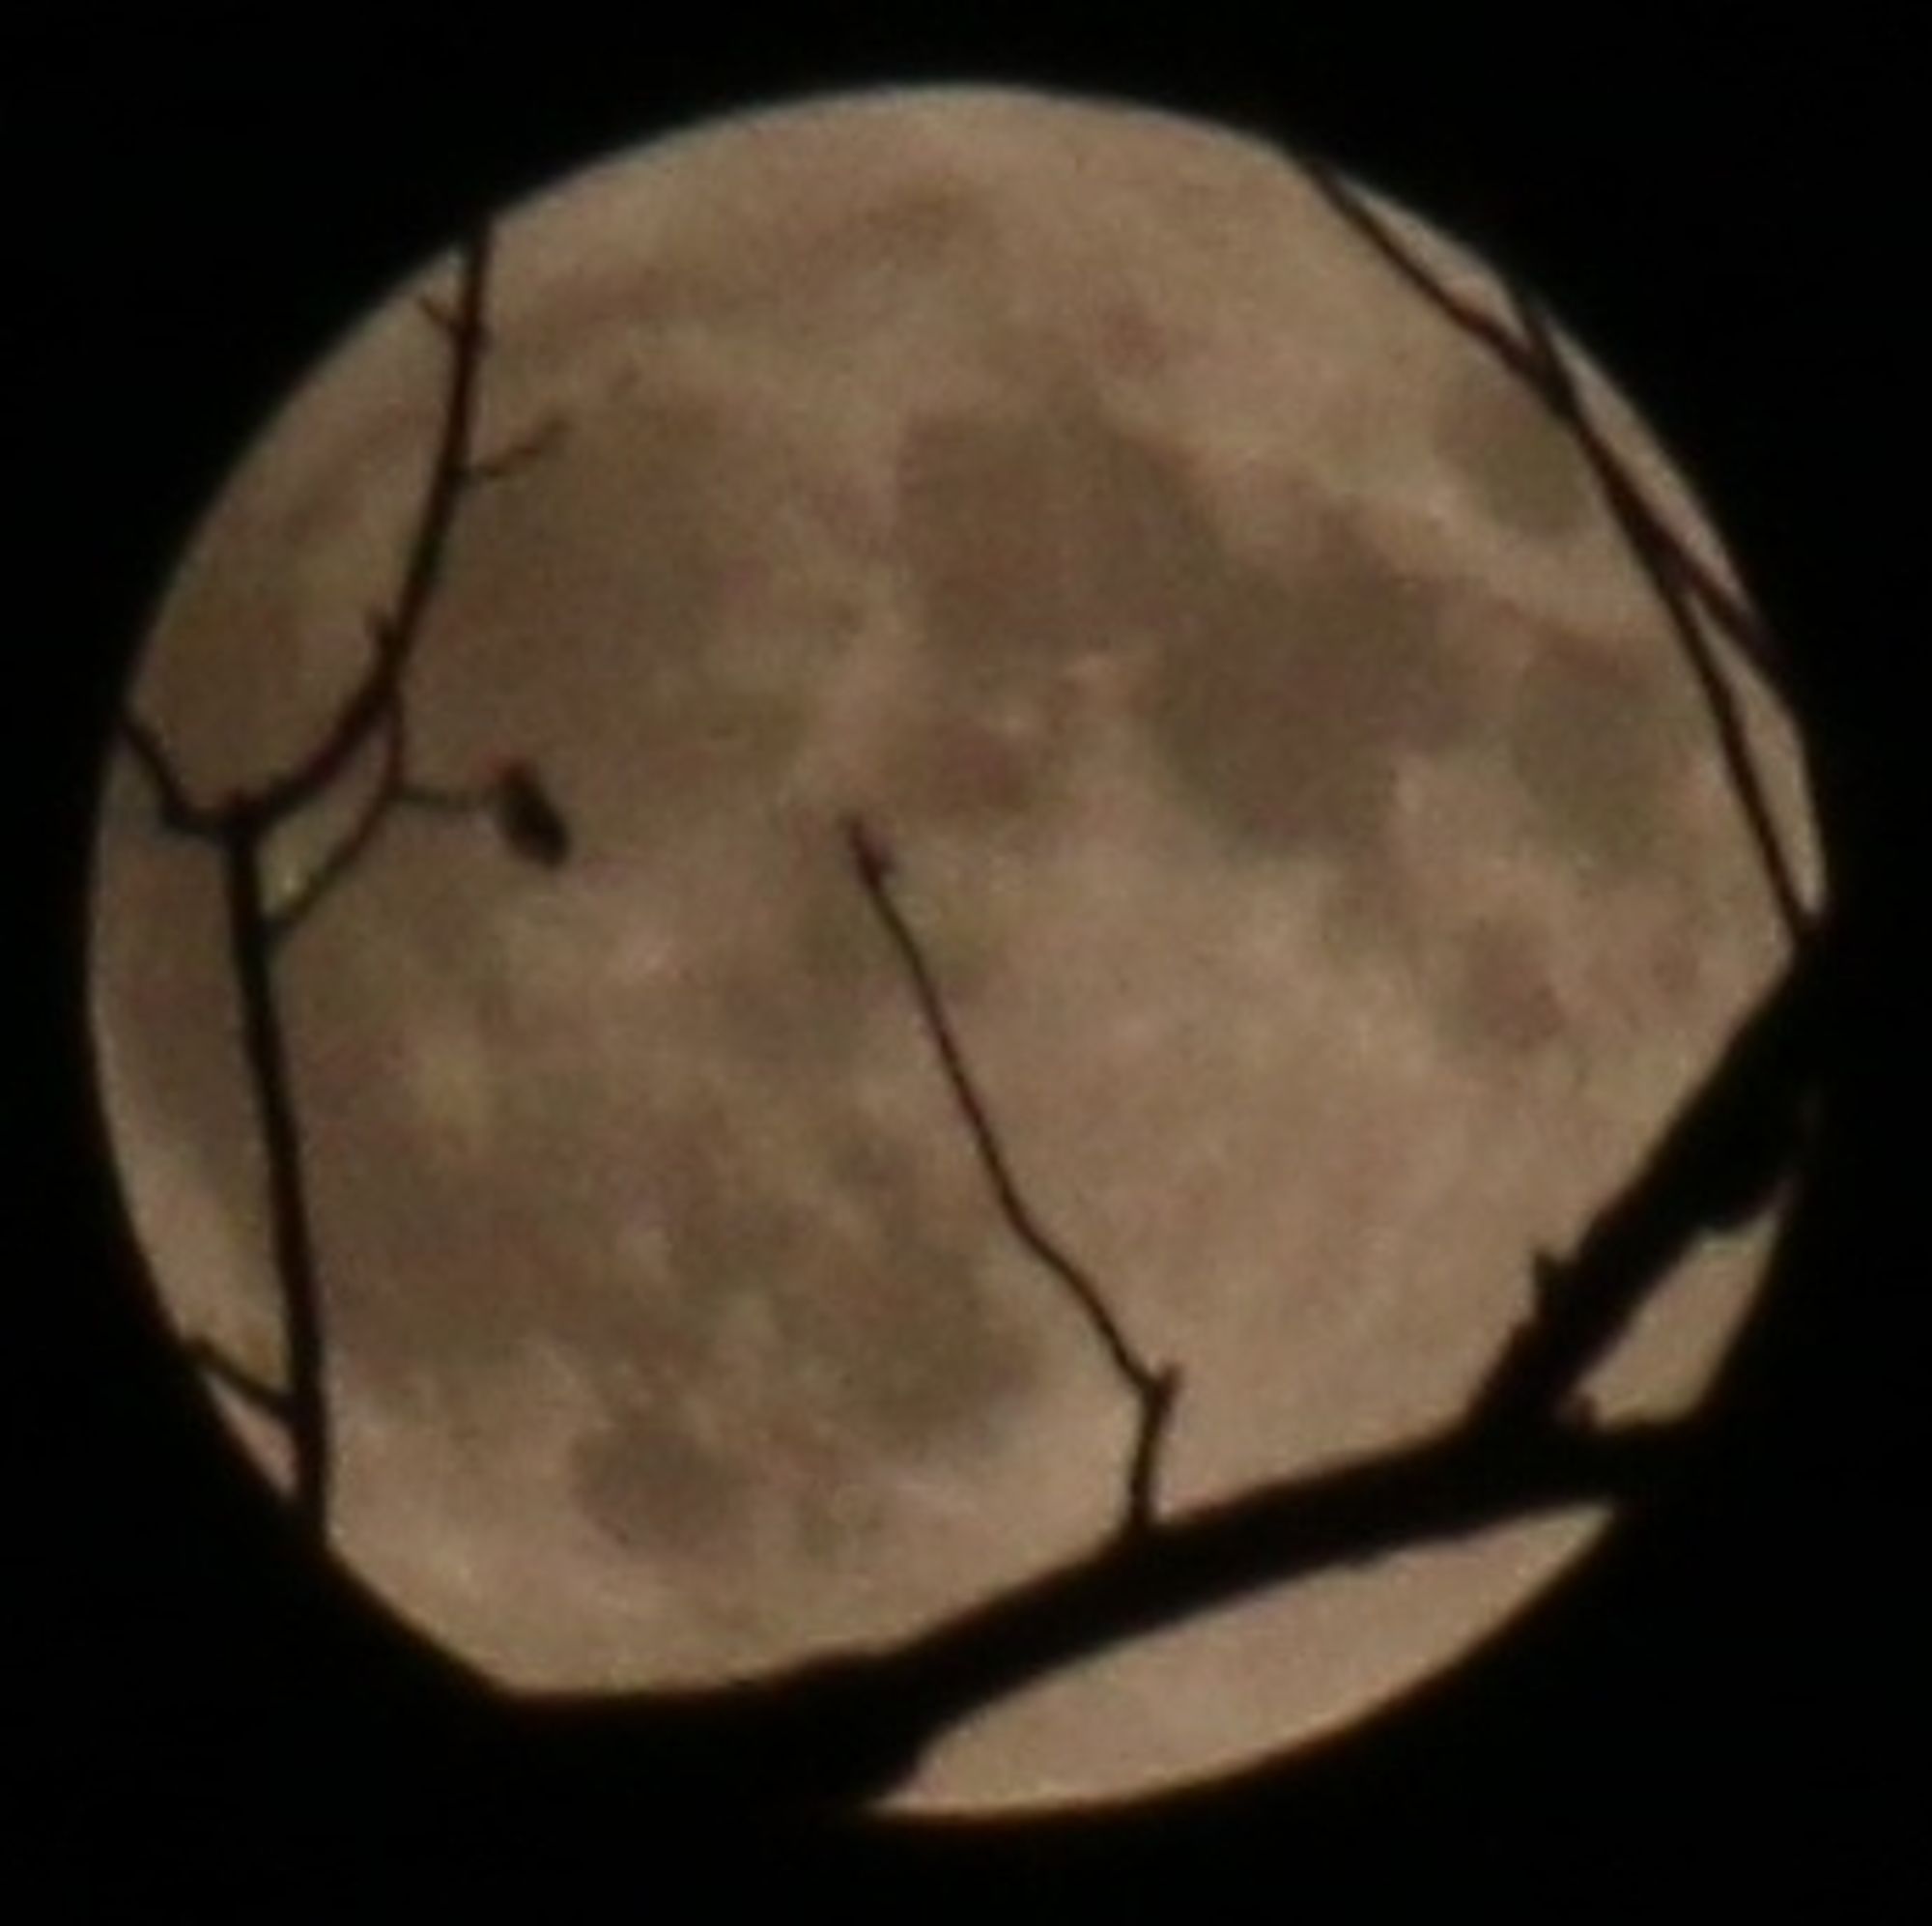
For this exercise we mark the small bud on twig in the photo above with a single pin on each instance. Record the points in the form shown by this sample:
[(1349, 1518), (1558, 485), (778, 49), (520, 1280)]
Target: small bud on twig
[(529, 821)]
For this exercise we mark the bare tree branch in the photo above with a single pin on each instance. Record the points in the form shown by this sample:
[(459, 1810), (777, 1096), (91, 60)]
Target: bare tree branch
[(1662, 563), (355, 841), (518, 455), (241, 829), (1716, 1162), (253, 1392), (1731, 614), (1154, 1388), (397, 634), (856, 1726), (176, 808), (265, 1046)]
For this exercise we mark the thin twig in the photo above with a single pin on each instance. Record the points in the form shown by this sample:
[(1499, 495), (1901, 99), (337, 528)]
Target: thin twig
[(1557, 383), (1375, 230), (355, 843), (177, 810), (1153, 1387), (241, 829), (1733, 617), (397, 633), (258, 1394), (518, 455)]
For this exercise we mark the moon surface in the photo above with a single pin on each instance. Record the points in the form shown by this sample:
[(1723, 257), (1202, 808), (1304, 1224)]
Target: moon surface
[(1323, 849)]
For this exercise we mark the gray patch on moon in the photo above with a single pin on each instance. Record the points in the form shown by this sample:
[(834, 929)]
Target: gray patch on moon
[(1510, 455), (644, 1479), (1038, 540), (1041, 536), (779, 1301), (851, 1339), (1589, 738), (1500, 1001), (1287, 715), (609, 611)]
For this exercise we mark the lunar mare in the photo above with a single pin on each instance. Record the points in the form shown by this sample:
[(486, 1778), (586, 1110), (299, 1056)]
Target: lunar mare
[(1325, 855)]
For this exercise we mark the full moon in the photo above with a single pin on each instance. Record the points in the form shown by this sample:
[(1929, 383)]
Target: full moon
[(1319, 851)]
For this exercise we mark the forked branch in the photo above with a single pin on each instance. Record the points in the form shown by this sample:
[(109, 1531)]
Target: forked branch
[(395, 636), (176, 810), (241, 828)]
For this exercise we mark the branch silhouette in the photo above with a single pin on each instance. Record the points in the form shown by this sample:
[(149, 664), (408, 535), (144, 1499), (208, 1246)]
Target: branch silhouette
[(1713, 1165), (1663, 562), (1734, 617), (1687, 590), (241, 826), (1152, 1388), (854, 1726)]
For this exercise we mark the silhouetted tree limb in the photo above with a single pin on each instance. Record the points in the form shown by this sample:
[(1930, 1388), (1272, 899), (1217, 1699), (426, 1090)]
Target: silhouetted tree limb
[(397, 633), (1683, 586), (173, 806), (1152, 1388), (515, 802), (356, 840), (265, 1046), (855, 1726), (243, 825), (519, 454), (1662, 561), (1733, 616), (1716, 1163)]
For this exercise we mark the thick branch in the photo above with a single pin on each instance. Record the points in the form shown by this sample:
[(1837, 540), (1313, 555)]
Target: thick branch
[(1154, 1388), (856, 1727), (269, 1077), (1713, 1165)]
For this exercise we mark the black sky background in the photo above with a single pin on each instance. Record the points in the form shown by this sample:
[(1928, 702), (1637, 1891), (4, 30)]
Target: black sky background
[(1734, 1697)]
